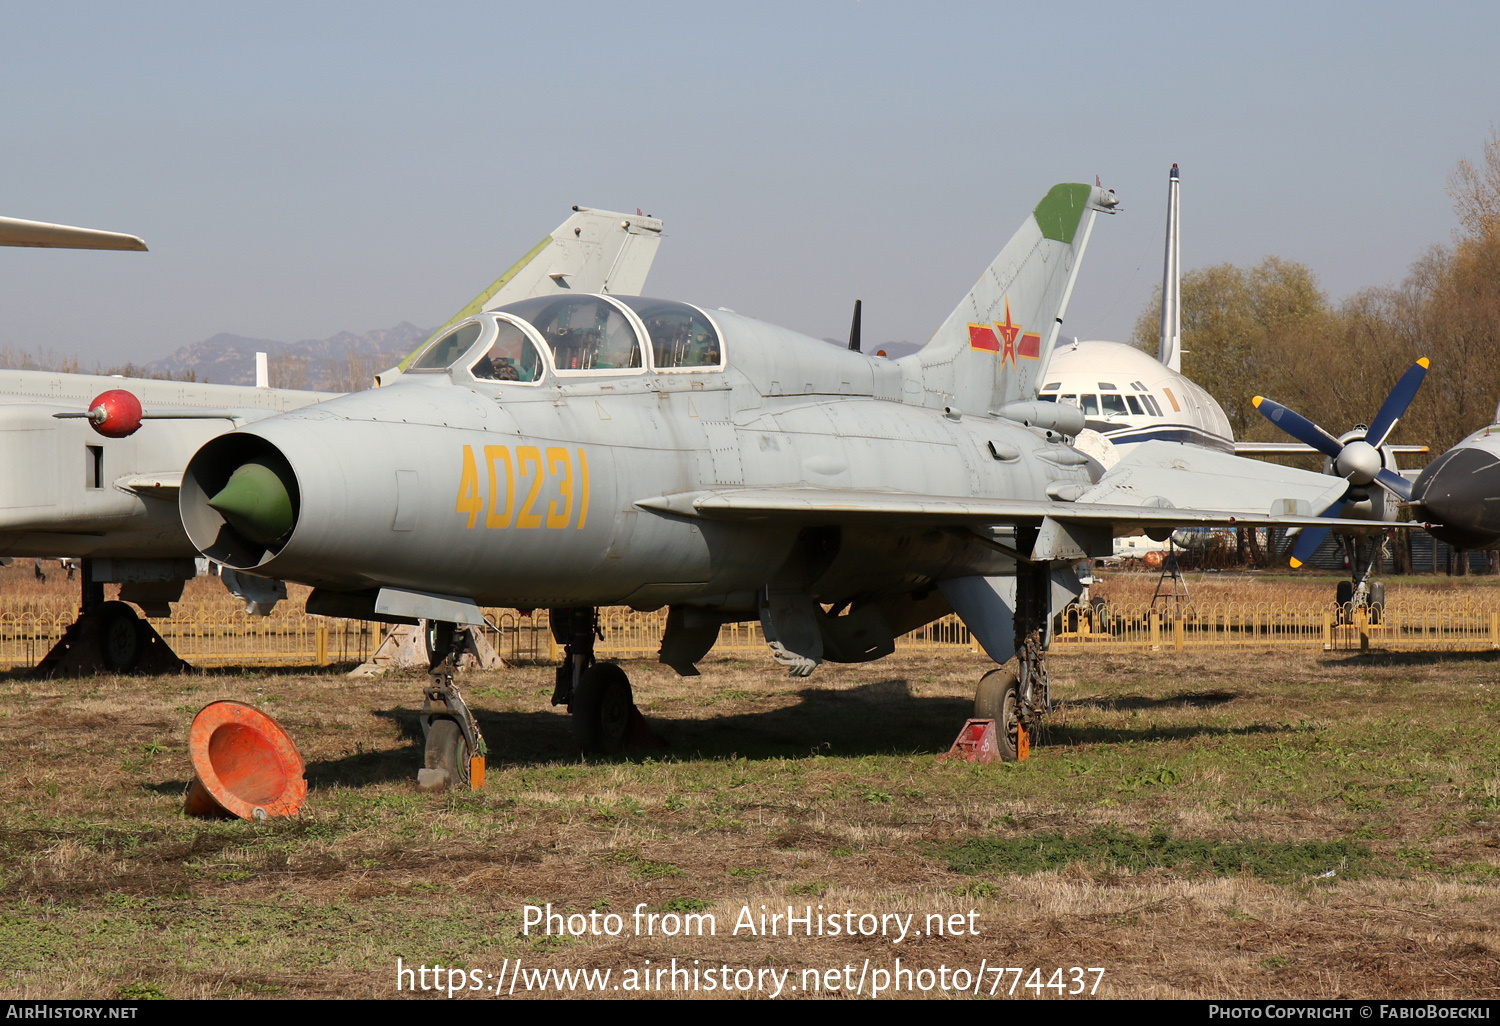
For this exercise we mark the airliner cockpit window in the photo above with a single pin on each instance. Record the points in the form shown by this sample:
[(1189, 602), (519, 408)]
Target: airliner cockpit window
[(586, 333), (682, 336), (511, 357), (1090, 405), (1113, 403), (446, 350)]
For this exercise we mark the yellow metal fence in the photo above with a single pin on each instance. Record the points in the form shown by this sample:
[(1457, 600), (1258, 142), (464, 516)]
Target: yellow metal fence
[(1455, 626), (218, 636)]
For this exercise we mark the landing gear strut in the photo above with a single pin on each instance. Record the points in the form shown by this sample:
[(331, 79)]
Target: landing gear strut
[(597, 694), (576, 628), (1365, 558), (1033, 610), (1018, 700), (453, 744)]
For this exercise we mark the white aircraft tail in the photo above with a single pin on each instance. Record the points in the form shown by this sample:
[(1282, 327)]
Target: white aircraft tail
[(993, 348), (1169, 349), (592, 251)]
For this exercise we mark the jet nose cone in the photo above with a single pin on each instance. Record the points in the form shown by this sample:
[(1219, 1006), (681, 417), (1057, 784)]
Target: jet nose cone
[(256, 503), (1460, 490)]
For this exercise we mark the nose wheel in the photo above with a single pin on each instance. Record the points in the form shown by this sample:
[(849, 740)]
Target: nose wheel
[(454, 748)]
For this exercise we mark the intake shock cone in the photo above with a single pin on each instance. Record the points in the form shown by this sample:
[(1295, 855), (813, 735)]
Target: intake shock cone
[(246, 765)]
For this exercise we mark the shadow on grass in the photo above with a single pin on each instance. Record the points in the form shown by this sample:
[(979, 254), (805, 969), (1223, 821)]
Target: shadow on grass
[(28, 673), (1074, 735), (880, 718), (1127, 703), (1410, 658)]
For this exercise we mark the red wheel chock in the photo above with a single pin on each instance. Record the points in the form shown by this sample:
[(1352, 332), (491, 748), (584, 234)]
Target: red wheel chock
[(976, 743)]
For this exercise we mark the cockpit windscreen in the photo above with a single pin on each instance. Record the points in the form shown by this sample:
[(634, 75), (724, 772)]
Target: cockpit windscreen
[(511, 357), (586, 333), (446, 350)]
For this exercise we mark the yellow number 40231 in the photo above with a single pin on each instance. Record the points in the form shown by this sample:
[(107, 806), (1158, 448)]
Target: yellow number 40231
[(508, 472)]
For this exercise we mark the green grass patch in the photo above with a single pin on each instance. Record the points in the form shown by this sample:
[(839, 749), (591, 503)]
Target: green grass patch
[(645, 868), (1278, 861)]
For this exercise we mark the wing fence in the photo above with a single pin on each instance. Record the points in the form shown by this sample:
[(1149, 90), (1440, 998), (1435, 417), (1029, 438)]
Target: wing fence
[(220, 634)]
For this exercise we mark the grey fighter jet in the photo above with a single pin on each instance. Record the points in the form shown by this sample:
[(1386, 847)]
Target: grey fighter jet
[(84, 477), (571, 452)]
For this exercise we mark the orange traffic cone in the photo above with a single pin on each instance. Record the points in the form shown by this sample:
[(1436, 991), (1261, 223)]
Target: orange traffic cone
[(247, 765)]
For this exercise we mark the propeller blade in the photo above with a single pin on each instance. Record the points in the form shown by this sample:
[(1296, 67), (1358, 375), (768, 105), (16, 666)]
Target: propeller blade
[(1394, 483), (1298, 426), (1311, 537), (1396, 403)]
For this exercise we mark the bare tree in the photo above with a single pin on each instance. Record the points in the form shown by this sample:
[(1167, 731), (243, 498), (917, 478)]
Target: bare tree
[(287, 371), (1476, 191)]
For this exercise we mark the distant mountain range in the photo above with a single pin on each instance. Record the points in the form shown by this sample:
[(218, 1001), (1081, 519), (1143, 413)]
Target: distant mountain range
[(323, 363), (339, 363)]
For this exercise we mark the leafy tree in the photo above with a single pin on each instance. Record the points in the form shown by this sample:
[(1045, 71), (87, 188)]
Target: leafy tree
[(1239, 327)]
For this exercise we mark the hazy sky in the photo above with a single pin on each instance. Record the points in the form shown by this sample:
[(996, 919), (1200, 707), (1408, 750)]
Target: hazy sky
[(300, 169)]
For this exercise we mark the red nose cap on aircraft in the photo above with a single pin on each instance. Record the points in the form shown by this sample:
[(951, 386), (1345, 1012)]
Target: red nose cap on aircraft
[(256, 503), (115, 414)]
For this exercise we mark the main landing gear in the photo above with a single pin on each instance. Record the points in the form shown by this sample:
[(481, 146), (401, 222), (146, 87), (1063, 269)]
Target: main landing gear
[(107, 637), (598, 695), (1018, 699), (1359, 592)]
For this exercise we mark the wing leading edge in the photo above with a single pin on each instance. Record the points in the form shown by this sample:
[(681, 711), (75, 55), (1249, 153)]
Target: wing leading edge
[(820, 505)]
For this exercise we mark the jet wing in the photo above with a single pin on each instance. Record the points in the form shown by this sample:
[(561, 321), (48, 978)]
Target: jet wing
[(1298, 449), (1159, 486), (40, 234), (1168, 474), (821, 505), (239, 416)]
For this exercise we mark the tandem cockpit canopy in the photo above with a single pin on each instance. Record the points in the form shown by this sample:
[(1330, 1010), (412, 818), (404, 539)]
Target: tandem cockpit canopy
[(583, 335)]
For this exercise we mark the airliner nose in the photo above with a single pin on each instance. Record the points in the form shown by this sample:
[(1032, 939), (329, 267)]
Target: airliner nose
[(1460, 490)]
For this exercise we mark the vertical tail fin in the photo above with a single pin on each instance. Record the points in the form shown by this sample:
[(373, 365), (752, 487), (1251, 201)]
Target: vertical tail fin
[(993, 348), (592, 251), (1169, 350)]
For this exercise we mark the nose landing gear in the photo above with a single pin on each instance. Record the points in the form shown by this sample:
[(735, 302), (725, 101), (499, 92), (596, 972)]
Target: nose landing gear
[(454, 748)]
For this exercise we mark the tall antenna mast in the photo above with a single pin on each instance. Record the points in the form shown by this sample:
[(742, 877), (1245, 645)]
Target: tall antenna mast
[(1169, 350)]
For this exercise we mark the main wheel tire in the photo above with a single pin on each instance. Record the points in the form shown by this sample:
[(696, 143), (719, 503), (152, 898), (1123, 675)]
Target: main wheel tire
[(602, 708), (447, 750), (1344, 596), (119, 637), (1377, 602), (998, 698)]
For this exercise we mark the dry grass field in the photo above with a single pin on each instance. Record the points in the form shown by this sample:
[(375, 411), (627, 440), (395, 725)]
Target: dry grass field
[(1241, 824)]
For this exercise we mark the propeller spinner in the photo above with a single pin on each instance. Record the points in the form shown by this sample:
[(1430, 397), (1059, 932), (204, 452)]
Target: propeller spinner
[(1358, 461)]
